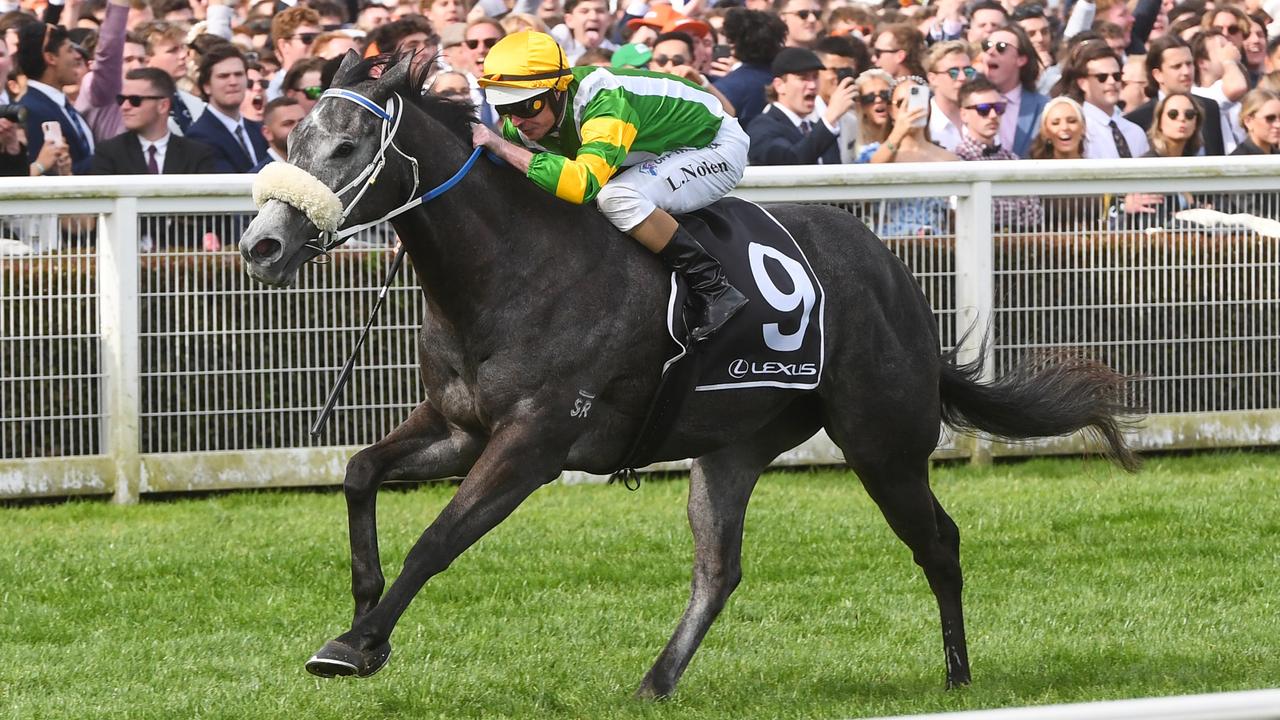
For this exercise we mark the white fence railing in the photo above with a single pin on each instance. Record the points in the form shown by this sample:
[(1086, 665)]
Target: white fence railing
[(134, 360)]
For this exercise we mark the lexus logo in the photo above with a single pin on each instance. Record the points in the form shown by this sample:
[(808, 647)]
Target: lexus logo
[(738, 368)]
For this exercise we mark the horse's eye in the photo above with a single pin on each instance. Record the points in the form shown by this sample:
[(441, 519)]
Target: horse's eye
[(344, 149)]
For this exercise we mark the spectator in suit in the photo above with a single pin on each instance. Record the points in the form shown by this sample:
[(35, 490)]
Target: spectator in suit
[(279, 119), (756, 38), (1092, 78), (1171, 69), (238, 144), (147, 146), (788, 132), (292, 33), (1011, 64), (51, 61)]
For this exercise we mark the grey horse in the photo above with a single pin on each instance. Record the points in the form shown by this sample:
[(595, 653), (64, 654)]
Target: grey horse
[(533, 304)]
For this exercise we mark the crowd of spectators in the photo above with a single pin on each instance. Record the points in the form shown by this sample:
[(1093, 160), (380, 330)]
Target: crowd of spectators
[(190, 86)]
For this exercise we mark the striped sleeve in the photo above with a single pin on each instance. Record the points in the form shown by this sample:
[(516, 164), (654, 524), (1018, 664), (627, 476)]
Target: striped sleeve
[(608, 130)]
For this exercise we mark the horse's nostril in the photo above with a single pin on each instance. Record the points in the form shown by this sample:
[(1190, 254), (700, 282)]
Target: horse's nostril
[(266, 248)]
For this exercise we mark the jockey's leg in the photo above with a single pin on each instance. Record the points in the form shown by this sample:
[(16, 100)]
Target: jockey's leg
[(712, 300), (639, 201)]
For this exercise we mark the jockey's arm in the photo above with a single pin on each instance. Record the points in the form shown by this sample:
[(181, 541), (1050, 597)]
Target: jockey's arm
[(515, 155), (607, 135)]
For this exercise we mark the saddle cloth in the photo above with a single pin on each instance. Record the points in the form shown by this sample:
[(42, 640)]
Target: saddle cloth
[(777, 339)]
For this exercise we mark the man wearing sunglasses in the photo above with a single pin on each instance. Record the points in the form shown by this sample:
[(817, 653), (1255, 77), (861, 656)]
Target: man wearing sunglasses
[(147, 146), (1011, 65), (292, 33), (302, 82), (478, 40), (981, 107), (948, 65), (641, 144), (1092, 78)]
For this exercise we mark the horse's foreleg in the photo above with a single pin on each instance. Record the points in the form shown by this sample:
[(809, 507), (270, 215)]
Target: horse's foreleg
[(423, 447), (515, 462), (720, 486)]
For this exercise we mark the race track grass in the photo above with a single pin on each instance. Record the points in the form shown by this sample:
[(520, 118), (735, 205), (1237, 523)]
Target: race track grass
[(1082, 583)]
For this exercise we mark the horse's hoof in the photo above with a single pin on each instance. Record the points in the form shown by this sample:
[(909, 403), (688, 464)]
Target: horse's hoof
[(339, 659)]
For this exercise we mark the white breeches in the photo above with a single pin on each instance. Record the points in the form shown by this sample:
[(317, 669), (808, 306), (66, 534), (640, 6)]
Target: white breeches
[(678, 181)]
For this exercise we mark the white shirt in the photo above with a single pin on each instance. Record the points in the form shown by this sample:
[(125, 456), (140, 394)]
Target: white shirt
[(1098, 142), (847, 129), (60, 98), (942, 131), (231, 126), (162, 147), (1232, 131)]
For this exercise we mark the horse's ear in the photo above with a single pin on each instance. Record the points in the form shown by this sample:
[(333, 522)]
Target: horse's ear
[(396, 75), (349, 60)]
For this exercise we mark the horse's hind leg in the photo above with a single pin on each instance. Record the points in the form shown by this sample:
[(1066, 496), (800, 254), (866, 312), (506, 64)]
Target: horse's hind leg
[(900, 487), (423, 447), (720, 486)]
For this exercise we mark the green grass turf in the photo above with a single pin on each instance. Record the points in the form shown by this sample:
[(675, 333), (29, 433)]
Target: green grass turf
[(1083, 583)]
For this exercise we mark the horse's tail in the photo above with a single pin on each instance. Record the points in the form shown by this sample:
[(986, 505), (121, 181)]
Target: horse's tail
[(1046, 396)]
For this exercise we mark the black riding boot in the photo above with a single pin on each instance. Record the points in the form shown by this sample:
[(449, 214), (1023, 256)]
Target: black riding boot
[(712, 300)]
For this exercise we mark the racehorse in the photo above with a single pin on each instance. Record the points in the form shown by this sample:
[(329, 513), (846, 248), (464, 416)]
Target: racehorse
[(533, 304)]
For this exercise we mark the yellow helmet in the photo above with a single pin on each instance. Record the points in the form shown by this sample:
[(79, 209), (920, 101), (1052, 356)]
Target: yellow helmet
[(523, 65)]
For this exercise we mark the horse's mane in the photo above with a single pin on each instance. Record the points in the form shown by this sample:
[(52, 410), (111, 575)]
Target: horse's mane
[(456, 115)]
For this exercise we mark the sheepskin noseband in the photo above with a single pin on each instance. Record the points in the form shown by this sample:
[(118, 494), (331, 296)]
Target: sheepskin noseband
[(294, 186)]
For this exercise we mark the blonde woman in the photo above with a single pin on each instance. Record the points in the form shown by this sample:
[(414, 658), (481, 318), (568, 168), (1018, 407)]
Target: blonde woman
[(1260, 116), (1061, 134), (875, 96)]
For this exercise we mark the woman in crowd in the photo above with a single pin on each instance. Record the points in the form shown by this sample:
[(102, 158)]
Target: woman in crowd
[(875, 93), (1260, 116), (1175, 132), (1175, 127), (1061, 137), (908, 141), (1061, 134)]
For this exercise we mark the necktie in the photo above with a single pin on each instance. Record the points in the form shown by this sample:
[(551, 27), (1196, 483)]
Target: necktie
[(152, 166), (244, 145), (805, 127), (77, 126), (1122, 145), (178, 111), (486, 113)]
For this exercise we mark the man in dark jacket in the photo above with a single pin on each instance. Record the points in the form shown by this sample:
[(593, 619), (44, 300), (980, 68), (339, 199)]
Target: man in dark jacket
[(788, 132), (147, 146), (1171, 68), (238, 144)]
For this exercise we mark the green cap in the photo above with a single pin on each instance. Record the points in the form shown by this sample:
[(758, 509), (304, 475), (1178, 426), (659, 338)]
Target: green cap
[(632, 55)]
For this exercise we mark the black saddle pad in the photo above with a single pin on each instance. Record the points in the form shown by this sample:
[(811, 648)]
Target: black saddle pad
[(777, 339)]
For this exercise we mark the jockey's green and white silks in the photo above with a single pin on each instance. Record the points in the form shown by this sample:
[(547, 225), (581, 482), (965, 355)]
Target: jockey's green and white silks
[(615, 118)]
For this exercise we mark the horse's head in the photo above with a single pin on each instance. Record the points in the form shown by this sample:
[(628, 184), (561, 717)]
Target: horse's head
[(336, 154)]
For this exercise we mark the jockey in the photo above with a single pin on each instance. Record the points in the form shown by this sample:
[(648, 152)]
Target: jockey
[(641, 144)]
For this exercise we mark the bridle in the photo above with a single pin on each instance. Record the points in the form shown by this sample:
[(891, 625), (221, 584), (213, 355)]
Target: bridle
[(390, 115)]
